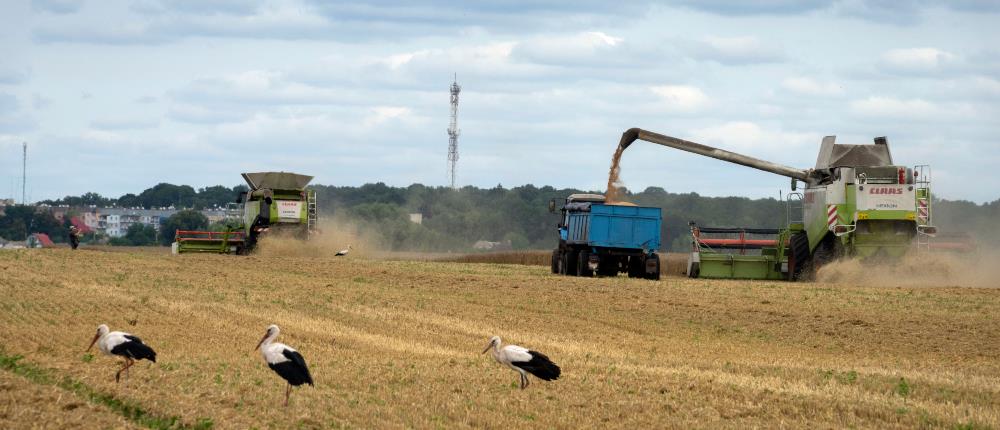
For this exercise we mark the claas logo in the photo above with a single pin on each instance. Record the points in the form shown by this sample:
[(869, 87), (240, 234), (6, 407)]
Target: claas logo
[(885, 190)]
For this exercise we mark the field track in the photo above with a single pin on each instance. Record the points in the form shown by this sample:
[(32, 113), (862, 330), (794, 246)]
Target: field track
[(397, 344)]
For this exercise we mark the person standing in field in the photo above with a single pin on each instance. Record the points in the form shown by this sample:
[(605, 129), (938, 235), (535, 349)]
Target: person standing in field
[(74, 237)]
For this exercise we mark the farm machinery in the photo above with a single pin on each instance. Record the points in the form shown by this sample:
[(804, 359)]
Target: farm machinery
[(856, 203), (276, 203), (606, 239)]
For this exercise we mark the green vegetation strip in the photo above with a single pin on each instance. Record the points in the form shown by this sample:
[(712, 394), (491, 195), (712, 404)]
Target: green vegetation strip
[(130, 410)]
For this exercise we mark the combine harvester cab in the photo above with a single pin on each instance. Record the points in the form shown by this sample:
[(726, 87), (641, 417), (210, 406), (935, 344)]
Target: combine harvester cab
[(277, 203), (856, 203), (606, 239)]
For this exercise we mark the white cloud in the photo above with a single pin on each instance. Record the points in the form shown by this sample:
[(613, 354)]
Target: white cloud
[(682, 98), (381, 114), (918, 59), (811, 87), (592, 47), (893, 107), (735, 50), (124, 123), (751, 139)]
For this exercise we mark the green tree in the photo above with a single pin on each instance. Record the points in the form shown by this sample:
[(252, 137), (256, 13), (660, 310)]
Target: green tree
[(19, 221), (164, 195), (182, 220)]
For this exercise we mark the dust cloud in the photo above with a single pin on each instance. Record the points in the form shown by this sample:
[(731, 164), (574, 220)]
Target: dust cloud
[(918, 270), (334, 235)]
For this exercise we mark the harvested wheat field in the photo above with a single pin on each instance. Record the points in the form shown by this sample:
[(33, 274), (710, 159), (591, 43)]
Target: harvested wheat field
[(395, 344)]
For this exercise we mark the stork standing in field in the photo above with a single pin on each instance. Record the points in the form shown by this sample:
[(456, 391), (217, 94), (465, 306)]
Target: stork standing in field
[(123, 345), (284, 360), (343, 252), (524, 361)]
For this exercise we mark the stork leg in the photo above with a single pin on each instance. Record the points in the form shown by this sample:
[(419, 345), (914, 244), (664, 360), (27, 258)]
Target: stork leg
[(524, 379), (288, 391), (128, 363)]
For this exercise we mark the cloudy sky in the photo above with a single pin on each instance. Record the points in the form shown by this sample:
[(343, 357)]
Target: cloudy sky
[(116, 96)]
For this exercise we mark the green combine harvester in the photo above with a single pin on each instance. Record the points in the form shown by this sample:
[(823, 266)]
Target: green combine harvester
[(277, 203), (856, 203)]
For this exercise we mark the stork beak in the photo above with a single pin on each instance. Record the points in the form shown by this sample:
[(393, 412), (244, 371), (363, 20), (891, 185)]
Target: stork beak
[(490, 345), (93, 341), (261, 341)]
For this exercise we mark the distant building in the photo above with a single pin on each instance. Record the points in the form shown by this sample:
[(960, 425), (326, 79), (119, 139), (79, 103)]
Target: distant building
[(417, 218), (114, 222)]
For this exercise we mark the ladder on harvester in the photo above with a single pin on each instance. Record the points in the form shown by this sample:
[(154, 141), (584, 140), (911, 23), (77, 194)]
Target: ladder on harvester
[(311, 216), (922, 183)]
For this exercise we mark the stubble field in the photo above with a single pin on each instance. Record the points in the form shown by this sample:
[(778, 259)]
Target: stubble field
[(396, 344)]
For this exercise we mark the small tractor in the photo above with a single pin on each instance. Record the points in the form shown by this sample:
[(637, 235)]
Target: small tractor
[(606, 239), (856, 203), (277, 203)]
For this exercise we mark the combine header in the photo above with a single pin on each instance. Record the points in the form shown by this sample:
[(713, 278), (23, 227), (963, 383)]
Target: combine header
[(277, 203), (856, 203)]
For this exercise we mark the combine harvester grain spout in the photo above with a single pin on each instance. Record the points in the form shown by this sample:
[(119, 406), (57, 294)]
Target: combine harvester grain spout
[(856, 203)]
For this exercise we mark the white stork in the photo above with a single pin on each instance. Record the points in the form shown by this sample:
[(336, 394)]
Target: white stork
[(343, 252), (284, 360), (524, 361), (124, 345)]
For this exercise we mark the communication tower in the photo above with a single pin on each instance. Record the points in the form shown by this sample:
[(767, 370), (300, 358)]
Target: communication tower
[(453, 131)]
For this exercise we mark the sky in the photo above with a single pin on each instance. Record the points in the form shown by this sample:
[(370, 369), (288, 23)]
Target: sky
[(117, 96)]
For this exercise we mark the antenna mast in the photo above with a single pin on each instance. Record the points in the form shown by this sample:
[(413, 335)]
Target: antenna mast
[(24, 173), (453, 131)]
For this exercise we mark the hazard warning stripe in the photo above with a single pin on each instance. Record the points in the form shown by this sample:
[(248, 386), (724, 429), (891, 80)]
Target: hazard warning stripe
[(922, 212), (831, 216)]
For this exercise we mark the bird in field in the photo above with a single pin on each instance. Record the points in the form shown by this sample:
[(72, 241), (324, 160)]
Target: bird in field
[(524, 361), (123, 345), (343, 252), (284, 360)]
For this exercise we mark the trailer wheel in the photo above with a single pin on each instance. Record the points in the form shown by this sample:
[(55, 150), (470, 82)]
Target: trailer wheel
[(653, 267), (582, 266), (568, 263), (635, 266), (799, 259), (555, 261)]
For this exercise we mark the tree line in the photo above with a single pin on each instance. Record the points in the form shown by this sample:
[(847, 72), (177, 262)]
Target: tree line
[(454, 219)]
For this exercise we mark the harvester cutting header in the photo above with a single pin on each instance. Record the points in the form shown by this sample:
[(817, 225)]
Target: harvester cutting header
[(856, 202), (277, 203)]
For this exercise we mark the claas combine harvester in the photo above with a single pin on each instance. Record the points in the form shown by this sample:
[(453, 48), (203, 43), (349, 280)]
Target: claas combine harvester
[(856, 203), (277, 203)]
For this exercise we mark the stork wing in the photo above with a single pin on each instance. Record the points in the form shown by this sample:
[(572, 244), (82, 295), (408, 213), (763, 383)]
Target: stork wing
[(516, 354), (300, 363)]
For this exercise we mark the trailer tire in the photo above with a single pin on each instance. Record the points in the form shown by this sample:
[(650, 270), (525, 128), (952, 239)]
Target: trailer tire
[(652, 260), (635, 266), (555, 261), (569, 263), (582, 265)]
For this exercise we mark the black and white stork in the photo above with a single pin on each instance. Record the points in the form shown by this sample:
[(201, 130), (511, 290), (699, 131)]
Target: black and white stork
[(524, 361), (343, 252), (284, 360), (123, 345)]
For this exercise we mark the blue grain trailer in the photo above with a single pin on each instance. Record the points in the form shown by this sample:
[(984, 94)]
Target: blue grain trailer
[(595, 237)]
